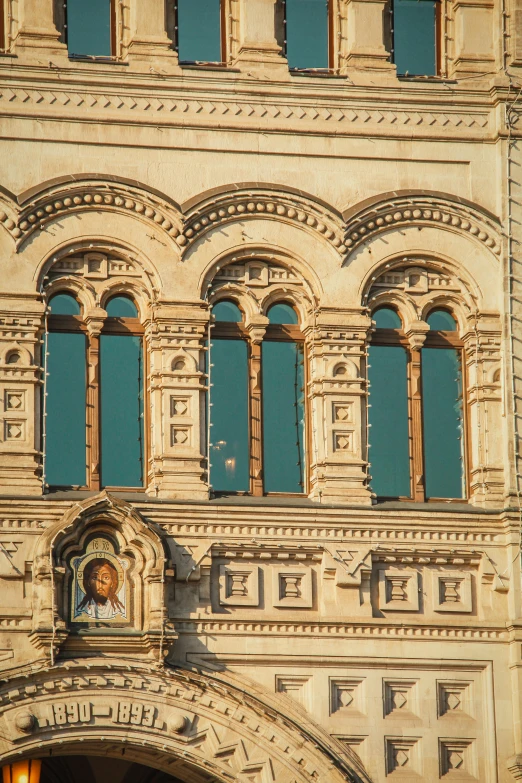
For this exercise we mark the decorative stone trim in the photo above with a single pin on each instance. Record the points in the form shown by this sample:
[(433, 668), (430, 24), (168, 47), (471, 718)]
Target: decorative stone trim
[(92, 195), (421, 211), (255, 202)]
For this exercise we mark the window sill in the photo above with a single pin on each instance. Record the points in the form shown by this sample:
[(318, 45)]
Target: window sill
[(200, 65), (321, 73), (426, 79), (85, 58)]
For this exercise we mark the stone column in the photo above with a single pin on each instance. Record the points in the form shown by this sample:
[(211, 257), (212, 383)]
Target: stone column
[(37, 29), (336, 345), (256, 327), (260, 39), (20, 402), (149, 43), (474, 41), (176, 336), (94, 320), (362, 40), (484, 400)]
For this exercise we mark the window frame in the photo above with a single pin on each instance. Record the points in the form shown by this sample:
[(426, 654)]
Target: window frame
[(222, 40), (111, 325), (434, 339), (93, 57), (330, 69), (224, 330)]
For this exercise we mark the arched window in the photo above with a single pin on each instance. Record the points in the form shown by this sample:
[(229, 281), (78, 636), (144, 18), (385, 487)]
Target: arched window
[(257, 427), (93, 430), (90, 28), (308, 34), (65, 443), (200, 30), (121, 395), (416, 445)]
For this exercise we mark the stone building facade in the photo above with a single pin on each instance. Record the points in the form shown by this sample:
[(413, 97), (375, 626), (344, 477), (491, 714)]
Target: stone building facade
[(300, 639)]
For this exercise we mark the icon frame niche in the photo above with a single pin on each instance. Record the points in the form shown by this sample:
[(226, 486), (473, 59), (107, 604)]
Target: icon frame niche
[(99, 558)]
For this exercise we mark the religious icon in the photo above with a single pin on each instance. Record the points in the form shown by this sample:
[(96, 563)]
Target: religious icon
[(99, 584)]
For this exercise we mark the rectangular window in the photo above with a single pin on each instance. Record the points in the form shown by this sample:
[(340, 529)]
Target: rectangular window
[(121, 383), (229, 433), (307, 33), (388, 436), (65, 424), (283, 416), (415, 37), (443, 422), (90, 27), (199, 31)]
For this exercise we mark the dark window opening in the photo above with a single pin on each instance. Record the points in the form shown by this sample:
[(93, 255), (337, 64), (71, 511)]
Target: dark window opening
[(200, 31), (256, 403), (308, 39), (415, 37), (90, 28), (416, 441)]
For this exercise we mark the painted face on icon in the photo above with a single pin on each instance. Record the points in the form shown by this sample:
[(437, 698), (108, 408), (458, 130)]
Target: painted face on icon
[(100, 582)]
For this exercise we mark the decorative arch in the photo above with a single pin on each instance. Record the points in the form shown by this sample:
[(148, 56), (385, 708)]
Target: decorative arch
[(270, 202), (198, 726), (101, 515), (420, 208), (69, 195)]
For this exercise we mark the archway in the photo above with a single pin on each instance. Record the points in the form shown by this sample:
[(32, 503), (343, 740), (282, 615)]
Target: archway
[(194, 726)]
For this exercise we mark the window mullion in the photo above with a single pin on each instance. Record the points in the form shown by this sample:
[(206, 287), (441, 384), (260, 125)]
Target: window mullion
[(256, 424), (417, 454), (93, 411)]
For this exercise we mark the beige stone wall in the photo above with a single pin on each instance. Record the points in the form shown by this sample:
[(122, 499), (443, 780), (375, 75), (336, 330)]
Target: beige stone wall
[(143, 176)]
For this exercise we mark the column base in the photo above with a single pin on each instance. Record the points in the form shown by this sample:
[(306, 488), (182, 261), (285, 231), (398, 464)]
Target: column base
[(154, 52), (262, 58), (182, 479)]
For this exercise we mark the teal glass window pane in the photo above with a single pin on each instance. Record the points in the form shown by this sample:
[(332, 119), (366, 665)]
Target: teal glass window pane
[(229, 440), (121, 405), (441, 320), (283, 416), (227, 312), (281, 313), (65, 406), (442, 418), (414, 47), (89, 27), (64, 304), (199, 30), (121, 307), (388, 436), (386, 318), (307, 33)]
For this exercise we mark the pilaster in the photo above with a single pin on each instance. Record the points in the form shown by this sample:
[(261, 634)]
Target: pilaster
[(37, 31), (362, 39), (260, 37), (149, 43), (483, 380), (175, 336), (20, 383), (336, 395), (474, 42)]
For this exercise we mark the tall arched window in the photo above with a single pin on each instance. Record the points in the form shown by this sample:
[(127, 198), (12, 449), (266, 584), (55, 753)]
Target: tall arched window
[(93, 430), (416, 435), (256, 403)]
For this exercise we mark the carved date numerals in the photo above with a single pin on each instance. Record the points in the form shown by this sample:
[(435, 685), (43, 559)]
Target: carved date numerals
[(134, 713), (70, 712)]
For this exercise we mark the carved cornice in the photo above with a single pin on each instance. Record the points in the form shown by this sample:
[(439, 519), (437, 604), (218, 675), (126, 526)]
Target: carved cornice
[(211, 105), (418, 210)]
